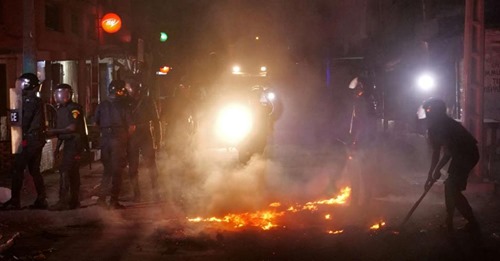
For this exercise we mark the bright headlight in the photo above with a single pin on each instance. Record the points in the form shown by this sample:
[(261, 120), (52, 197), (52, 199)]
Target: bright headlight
[(271, 96), (233, 123), (426, 82), (236, 69)]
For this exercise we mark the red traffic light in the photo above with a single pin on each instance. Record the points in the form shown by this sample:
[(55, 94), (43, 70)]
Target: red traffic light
[(111, 23)]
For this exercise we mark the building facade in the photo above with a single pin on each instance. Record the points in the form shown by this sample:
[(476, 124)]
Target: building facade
[(65, 42)]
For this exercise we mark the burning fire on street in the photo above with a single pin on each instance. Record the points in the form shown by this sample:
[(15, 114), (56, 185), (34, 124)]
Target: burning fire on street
[(378, 225), (272, 217)]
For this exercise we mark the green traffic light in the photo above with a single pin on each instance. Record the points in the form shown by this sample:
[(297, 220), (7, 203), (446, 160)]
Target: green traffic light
[(163, 37)]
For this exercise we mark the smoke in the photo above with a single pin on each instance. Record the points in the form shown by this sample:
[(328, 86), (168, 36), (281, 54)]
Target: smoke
[(214, 182), (305, 159)]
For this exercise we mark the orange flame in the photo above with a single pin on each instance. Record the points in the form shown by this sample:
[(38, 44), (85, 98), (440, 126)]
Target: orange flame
[(378, 225), (340, 199), (267, 219), (262, 219)]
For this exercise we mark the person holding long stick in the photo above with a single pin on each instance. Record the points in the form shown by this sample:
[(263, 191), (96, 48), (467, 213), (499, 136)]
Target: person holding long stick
[(451, 141)]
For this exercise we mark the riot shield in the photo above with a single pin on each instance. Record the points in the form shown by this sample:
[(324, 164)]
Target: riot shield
[(16, 111)]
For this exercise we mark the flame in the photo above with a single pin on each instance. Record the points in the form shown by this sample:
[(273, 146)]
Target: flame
[(262, 219), (268, 219), (335, 232), (378, 225), (275, 204), (340, 199)]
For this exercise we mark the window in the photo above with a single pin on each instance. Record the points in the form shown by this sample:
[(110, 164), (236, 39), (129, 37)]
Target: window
[(53, 17)]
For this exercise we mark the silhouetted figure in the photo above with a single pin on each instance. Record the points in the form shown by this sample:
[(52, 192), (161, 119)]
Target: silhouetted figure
[(33, 134), (146, 139), (114, 118), (70, 131), (363, 134), (363, 126), (449, 138)]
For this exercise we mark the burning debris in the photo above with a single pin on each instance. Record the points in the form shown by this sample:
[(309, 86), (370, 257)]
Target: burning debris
[(379, 225), (268, 219), (262, 219), (336, 232)]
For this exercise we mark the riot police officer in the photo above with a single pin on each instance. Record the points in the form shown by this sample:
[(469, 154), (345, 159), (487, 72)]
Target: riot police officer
[(363, 116), (146, 138), (115, 121), (32, 144), (70, 131), (363, 135)]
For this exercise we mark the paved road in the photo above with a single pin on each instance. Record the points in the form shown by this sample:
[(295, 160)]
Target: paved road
[(295, 175)]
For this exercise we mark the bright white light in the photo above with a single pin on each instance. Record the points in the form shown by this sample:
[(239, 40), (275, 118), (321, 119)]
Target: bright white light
[(233, 123), (263, 68), (426, 82), (236, 69), (271, 96)]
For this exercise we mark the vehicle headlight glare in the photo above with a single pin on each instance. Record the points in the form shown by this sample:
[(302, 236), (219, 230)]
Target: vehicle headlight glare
[(426, 82), (233, 123), (271, 96)]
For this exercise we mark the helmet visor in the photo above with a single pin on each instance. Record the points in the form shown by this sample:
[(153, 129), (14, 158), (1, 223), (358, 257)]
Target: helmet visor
[(62, 96), (120, 92), (23, 84), (132, 89)]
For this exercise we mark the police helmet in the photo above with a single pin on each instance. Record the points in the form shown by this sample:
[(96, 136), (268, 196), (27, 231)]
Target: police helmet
[(434, 107), (63, 93), (116, 89), (28, 82), (357, 86)]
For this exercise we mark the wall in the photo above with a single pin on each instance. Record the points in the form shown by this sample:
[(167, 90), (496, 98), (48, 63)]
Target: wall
[(492, 75)]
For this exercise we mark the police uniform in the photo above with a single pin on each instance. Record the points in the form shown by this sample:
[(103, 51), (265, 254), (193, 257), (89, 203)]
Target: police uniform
[(69, 170), (113, 118), (144, 115), (363, 124), (31, 155)]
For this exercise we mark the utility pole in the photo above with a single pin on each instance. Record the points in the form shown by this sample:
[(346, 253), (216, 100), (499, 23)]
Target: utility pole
[(473, 74), (29, 40)]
